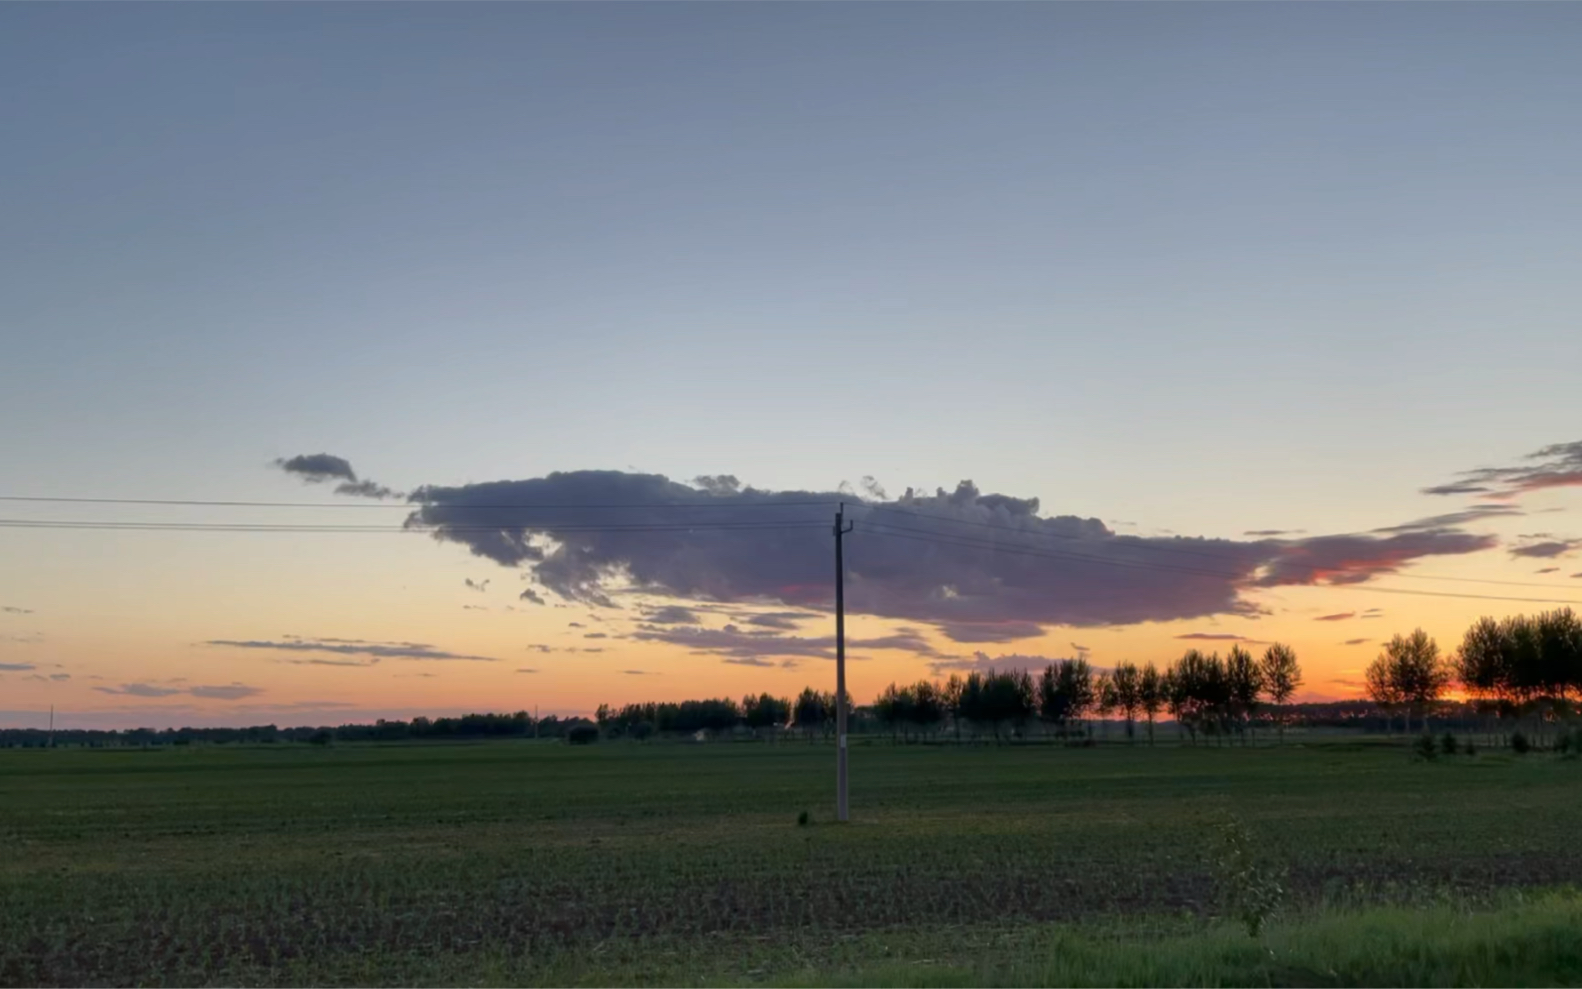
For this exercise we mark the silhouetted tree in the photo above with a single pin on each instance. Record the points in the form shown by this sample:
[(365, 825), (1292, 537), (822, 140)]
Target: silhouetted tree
[(1152, 695), (1282, 675)]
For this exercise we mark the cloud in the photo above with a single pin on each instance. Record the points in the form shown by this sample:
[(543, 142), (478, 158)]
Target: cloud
[(16, 667), (1555, 466), (373, 651), (673, 614), (1215, 637), (575, 625), (60, 676), (980, 567), (1450, 520), (528, 594), (735, 643), (1273, 532), (748, 661), (1548, 570), (1006, 631), (595, 635), (594, 649), (787, 621), (1339, 616), (316, 468), (140, 690), (366, 489), (539, 647), (319, 468), (982, 662), (1547, 549), (12, 610), (1355, 642), (479, 586), (639, 673), (526, 669), (227, 692)]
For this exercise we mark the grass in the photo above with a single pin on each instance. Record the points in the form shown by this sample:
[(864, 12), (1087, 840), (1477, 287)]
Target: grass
[(617, 864)]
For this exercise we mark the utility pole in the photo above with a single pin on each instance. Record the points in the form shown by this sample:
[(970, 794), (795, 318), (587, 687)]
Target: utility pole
[(842, 807)]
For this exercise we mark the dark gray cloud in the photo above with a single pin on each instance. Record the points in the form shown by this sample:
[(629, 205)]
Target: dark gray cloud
[(639, 673), (526, 669), (320, 468), (140, 690), (1546, 549), (979, 567), (673, 614), (316, 468), (1338, 616), (16, 667), (528, 594), (748, 661), (1547, 570), (476, 585), (12, 610), (575, 625), (1558, 465), (372, 651), (1355, 642), (1273, 532), (1215, 637), (225, 692), (595, 635)]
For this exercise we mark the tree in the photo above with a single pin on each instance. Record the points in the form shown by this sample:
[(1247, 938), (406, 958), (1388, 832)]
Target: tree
[(809, 713), (1416, 674), (1243, 684), (1282, 675), (1151, 694), (950, 697), (1126, 683), (1104, 698), (1379, 681)]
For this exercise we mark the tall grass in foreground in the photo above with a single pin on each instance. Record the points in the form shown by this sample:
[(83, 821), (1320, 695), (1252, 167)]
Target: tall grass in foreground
[(1529, 942)]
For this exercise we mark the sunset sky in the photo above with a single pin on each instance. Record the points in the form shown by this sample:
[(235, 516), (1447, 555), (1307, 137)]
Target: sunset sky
[(1273, 309)]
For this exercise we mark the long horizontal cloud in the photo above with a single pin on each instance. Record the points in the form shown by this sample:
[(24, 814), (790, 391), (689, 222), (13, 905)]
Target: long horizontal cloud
[(1556, 466), (1546, 547), (737, 644), (371, 651), (979, 567)]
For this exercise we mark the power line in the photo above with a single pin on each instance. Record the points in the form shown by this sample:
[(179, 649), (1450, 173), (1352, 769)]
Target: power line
[(885, 529), (328, 528), (412, 505)]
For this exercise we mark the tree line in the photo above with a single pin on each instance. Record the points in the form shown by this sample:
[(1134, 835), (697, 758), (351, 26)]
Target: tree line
[(1519, 668), (1205, 695)]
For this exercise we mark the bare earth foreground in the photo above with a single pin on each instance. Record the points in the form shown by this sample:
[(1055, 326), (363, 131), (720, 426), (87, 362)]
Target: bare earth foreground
[(620, 863)]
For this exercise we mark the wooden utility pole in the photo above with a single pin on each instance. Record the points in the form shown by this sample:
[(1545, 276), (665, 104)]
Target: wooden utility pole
[(842, 806)]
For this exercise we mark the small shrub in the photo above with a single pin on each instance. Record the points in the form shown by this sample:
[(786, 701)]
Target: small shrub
[(1251, 889), (1424, 747), (802, 819), (583, 735), (1469, 748), (1519, 743), (1447, 744)]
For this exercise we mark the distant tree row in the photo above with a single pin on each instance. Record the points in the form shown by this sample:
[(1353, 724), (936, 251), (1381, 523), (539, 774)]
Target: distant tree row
[(1204, 693), (1522, 666)]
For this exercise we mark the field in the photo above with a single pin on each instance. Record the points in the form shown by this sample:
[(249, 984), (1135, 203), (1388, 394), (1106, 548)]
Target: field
[(524, 862)]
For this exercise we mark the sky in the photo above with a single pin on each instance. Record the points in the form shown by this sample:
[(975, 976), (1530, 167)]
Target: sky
[(1224, 287)]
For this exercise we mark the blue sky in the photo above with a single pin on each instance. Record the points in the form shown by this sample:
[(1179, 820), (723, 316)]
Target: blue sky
[(1202, 267)]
